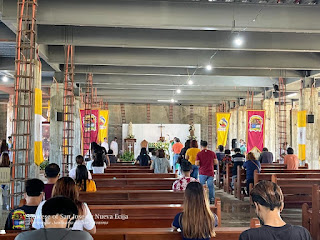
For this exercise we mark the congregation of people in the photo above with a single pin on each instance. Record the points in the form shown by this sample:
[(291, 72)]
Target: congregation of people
[(195, 167)]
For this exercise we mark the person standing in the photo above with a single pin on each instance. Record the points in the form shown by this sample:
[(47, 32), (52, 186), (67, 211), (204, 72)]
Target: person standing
[(266, 156), (160, 164), (52, 173), (114, 146), (191, 156), (243, 147), (220, 153), (105, 144), (176, 148), (79, 161), (251, 165), (291, 160), (237, 160), (284, 152), (206, 160), (268, 201), (4, 147), (181, 184)]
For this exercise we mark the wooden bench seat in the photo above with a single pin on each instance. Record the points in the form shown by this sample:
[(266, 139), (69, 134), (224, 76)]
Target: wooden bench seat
[(115, 170), (132, 197), (311, 215), (128, 167), (139, 216), (284, 174), (134, 175), (240, 183)]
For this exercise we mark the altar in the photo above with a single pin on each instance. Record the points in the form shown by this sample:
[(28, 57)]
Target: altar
[(152, 133)]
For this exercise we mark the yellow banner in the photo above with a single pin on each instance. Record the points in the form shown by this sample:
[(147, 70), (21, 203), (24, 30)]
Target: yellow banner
[(223, 123), (103, 125), (302, 133), (38, 154)]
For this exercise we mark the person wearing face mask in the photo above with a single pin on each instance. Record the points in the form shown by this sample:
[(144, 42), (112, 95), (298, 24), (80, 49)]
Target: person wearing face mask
[(268, 201), (60, 213)]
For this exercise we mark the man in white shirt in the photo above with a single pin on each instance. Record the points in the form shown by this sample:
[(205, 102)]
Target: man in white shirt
[(105, 144), (79, 161), (114, 146)]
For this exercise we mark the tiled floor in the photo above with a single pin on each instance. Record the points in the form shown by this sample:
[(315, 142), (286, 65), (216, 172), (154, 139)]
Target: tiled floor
[(235, 213)]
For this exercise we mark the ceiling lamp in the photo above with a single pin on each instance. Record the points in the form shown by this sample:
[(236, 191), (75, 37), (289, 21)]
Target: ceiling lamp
[(5, 79), (209, 67), (178, 91), (238, 41), (190, 82), (172, 100)]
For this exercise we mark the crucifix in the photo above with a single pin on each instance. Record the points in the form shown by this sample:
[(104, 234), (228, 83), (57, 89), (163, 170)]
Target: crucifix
[(162, 139)]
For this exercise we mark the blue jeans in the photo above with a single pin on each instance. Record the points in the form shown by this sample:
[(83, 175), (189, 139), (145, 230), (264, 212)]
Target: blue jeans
[(195, 171), (209, 180), (175, 164)]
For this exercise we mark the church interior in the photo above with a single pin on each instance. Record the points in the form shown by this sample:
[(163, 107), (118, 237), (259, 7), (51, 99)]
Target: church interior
[(132, 81)]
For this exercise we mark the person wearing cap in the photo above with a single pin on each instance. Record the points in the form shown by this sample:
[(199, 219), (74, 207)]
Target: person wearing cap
[(21, 218), (52, 173), (181, 184)]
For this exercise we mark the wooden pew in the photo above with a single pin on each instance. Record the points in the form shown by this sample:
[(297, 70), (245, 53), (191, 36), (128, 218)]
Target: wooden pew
[(128, 167), (281, 174), (112, 170), (133, 183), (222, 233), (132, 197), (240, 183), (227, 178), (296, 191), (311, 216), (133, 175), (219, 176), (278, 166), (140, 216)]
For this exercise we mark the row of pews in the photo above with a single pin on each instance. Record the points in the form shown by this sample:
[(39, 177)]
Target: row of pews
[(300, 188)]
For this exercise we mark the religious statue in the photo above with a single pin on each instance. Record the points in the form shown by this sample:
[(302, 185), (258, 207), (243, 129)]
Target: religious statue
[(130, 131), (144, 144), (191, 131), (162, 138)]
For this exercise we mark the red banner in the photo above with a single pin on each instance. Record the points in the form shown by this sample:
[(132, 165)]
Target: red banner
[(90, 128), (255, 130)]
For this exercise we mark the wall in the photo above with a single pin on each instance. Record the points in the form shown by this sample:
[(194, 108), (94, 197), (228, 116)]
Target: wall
[(3, 121), (137, 113)]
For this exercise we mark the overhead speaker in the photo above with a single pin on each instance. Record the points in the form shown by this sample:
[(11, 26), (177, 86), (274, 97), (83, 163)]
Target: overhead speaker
[(310, 118), (234, 143), (59, 116)]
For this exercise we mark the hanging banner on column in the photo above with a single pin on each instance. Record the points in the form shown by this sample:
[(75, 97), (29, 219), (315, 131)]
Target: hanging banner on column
[(223, 123), (255, 130), (302, 128), (38, 153), (90, 124), (103, 125)]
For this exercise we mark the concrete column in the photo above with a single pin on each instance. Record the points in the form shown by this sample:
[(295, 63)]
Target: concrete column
[(270, 125), (233, 128), (77, 129), (242, 122), (309, 101), (56, 127), (10, 115)]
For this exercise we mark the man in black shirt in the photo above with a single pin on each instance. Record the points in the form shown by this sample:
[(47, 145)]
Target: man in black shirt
[(267, 198), (237, 160), (21, 218)]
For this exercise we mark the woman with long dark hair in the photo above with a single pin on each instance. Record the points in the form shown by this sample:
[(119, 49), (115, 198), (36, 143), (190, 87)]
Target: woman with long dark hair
[(4, 160), (196, 221), (66, 187), (83, 181), (4, 147), (143, 158)]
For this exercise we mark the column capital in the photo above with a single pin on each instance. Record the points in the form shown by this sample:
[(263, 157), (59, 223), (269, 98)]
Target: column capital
[(308, 82)]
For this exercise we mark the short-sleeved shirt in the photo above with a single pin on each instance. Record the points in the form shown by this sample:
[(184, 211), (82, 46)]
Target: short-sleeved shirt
[(286, 232), (73, 172), (192, 153), (53, 234), (220, 156), (48, 190), (177, 224), (291, 161), (87, 222), (160, 165), (205, 158), (21, 218), (181, 184), (177, 147), (251, 166), (238, 160), (266, 157)]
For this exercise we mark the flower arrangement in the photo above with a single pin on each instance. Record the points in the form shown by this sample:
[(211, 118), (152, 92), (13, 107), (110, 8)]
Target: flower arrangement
[(160, 145), (130, 136), (127, 156)]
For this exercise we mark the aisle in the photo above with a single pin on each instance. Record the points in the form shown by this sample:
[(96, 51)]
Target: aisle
[(236, 213)]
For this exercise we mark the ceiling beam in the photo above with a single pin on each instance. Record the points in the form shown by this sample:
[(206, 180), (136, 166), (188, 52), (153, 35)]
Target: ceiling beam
[(174, 15), (188, 58), (173, 39)]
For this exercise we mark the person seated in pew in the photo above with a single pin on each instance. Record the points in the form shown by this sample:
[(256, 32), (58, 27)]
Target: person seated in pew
[(52, 173), (153, 155), (161, 164), (237, 160), (181, 184), (143, 158), (266, 156), (100, 161), (196, 221), (112, 157), (250, 165), (79, 161), (83, 182), (21, 218), (66, 187), (226, 160), (268, 200), (60, 213), (291, 160)]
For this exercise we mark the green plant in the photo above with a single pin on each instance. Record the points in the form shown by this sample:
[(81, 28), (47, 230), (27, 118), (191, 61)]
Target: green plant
[(44, 164), (127, 156)]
